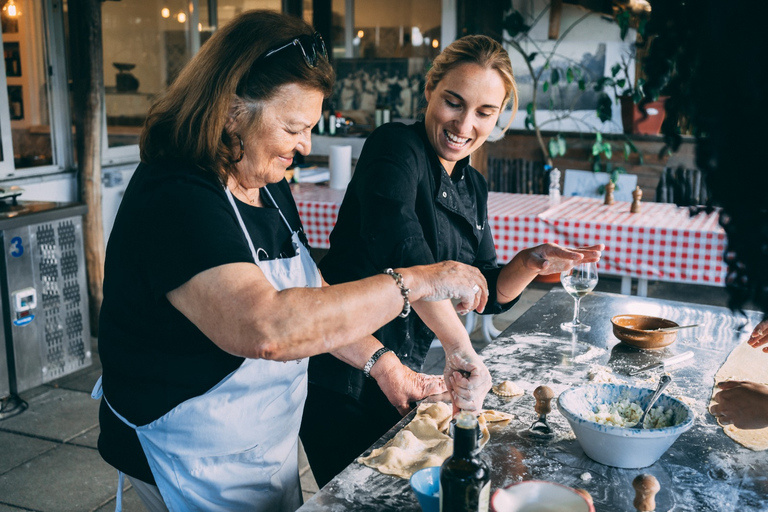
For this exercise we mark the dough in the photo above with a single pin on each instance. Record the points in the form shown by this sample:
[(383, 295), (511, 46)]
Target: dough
[(425, 442), (750, 364), (507, 388)]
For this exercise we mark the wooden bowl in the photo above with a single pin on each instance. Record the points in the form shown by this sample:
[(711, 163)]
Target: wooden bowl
[(640, 331)]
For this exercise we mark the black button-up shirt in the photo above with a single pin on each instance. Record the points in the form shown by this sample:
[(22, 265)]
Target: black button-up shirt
[(403, 209)]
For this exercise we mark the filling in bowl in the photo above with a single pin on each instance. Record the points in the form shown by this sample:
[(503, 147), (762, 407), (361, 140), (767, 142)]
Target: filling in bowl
[(626, 413)]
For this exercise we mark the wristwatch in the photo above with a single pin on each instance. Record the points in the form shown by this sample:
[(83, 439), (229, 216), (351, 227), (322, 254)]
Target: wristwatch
[(372, 361)]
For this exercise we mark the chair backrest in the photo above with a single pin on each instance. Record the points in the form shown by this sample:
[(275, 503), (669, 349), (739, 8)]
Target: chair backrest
[(684, 187), (592, 184), (517, 175)]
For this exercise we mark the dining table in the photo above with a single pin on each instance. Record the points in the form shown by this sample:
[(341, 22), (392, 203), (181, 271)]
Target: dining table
[(663, 242), (704, 470)]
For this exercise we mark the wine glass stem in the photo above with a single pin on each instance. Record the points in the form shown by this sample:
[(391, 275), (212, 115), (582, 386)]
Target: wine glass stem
[(576, 311)]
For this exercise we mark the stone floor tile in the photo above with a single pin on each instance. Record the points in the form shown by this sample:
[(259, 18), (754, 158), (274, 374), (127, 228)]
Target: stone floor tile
[(16, 449), (57, 414), (65, 479), (89, 439)]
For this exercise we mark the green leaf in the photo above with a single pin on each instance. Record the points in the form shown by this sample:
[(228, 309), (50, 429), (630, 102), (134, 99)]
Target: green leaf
[(615, 69), (604, 107), (582, 84), (621, 82), (553, 148), (595, 149), (569, 75), (627, 150), (551, 103), (555, 76), (531, 56), (596, 165), (599, 137), (514, 24), (561, 143), (545, 86), (528, 123), (607, 150), (529, 109)]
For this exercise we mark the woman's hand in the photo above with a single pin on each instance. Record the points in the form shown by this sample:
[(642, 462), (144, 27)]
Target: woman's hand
[(448, 280), (403, 386), (759, 336), (741, 404), (552, 259), (468, 380)]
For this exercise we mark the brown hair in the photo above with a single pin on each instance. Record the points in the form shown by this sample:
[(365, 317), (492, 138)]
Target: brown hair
[(480, 50), (226, 78)]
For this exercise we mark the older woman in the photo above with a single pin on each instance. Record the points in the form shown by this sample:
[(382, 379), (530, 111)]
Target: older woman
[(414, 199), (211, 301)]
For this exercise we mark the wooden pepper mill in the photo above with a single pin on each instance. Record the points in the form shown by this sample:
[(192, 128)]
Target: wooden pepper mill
[(540, 427), (609, 188), (637, 194), (646, 486)]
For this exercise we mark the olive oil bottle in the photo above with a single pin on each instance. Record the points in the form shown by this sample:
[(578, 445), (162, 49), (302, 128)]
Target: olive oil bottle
[(465, 481)]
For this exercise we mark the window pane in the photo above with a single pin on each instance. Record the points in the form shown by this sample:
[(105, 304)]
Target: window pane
[(23, 49), (228, 9), (145, 45)]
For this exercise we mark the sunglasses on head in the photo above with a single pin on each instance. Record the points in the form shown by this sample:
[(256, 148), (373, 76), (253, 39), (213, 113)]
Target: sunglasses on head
[(312, 47)]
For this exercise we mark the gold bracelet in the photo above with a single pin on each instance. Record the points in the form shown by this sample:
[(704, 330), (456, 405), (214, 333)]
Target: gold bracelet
[(403, 291)]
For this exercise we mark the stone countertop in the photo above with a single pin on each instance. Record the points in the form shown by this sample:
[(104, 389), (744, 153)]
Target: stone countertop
[(703, 471)]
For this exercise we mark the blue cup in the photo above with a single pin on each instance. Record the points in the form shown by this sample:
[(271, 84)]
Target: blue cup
[(426, 486)]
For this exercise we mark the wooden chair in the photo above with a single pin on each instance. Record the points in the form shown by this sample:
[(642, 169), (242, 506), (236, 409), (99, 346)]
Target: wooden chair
[(517, 175), (684, 187)]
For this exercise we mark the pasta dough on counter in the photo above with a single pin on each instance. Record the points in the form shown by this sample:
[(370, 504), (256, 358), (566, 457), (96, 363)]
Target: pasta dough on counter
[(425, 442), (507, 388)]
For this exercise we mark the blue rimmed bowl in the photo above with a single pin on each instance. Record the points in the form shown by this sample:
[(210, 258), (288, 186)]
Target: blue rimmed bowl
[(621, 447), (426, 486)]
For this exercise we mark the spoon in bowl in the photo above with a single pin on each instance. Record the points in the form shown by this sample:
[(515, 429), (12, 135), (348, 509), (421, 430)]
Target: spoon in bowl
[(663, 383)]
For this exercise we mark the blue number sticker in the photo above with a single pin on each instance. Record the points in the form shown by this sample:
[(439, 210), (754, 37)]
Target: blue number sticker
[(17, 248)]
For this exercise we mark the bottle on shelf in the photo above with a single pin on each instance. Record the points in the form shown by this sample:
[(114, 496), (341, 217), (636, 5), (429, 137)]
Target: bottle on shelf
[(465, 480)]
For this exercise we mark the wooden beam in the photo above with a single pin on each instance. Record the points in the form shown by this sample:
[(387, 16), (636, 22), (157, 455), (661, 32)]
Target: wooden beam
[(555, 11), (87, 93)]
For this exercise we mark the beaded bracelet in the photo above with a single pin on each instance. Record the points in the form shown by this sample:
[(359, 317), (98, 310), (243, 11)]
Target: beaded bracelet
[(403, 291)]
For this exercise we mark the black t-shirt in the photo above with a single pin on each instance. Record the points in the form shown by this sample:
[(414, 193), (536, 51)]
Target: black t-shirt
[(403, 209), (173, 223)]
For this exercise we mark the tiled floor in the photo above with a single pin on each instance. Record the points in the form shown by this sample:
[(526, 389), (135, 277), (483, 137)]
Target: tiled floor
[(48, 457)]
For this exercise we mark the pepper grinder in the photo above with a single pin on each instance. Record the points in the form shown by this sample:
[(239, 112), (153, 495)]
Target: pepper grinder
[(540, 427), (646, 486), (609, 188), (637, 194)]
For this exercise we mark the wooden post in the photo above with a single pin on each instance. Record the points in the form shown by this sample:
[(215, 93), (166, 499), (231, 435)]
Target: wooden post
[(87, 92), (555, 11)]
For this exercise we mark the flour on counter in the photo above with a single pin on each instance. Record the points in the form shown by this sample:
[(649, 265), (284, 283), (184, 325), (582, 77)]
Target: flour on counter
[(603, 374), (592, 353)]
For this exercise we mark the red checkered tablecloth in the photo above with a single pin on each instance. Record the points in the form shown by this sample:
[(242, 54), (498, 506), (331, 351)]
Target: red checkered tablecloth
[(514, 221), (662, 242), (318, 208)]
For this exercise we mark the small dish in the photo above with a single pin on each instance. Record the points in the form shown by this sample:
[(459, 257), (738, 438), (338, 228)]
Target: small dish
[(426, 486), (640, 331), (533, 495)]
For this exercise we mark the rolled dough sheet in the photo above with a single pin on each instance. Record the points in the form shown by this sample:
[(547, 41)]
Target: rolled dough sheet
[(749, 364), (425, 442)]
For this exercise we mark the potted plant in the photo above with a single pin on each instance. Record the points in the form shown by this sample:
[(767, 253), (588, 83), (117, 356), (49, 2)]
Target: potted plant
[(635, 120)]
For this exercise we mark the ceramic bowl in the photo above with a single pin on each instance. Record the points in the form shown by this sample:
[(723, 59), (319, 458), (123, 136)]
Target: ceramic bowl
[(639, 331), (621, 447), (426, 486), (536, 495)]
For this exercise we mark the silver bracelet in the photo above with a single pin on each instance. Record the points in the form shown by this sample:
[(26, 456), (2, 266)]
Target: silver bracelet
[(405, 292), (372, 361)]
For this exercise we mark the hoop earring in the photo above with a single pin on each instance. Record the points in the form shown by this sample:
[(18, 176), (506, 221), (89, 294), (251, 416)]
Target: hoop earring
[(242, 148)]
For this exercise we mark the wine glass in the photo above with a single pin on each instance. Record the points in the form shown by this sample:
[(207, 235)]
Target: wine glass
[(578, 282)]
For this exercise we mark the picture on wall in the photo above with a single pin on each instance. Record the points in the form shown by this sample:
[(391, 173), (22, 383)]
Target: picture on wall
[(365, 84)]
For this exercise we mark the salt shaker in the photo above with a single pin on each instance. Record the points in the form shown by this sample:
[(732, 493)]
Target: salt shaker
[(609, 188), (554, 186), (637, 194)]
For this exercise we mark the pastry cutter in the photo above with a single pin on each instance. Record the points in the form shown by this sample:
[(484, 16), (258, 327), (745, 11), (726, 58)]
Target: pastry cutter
[(666, 362)]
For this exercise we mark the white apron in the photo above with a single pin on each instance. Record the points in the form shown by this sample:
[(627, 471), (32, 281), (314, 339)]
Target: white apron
[(236, 446)]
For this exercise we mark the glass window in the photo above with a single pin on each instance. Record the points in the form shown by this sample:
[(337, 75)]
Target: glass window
[(382, 57), (26, 84)]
